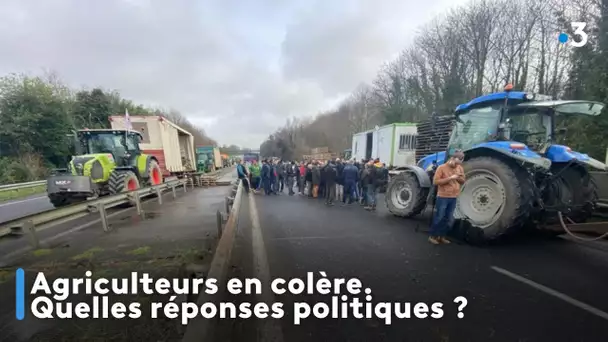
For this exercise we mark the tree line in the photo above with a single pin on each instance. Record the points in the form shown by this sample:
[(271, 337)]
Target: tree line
[(37, 113), (471, 50)]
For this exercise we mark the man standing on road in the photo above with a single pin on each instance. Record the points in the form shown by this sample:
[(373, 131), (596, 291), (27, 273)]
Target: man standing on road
[(351, 177), (256, 173), (274, 181), (281, 175), (448, 179), (316, 179), (266, 180), (373, 182), (302, 178), (363, 181), (242, 173), (291, 174), (329, 171), (339, 180)]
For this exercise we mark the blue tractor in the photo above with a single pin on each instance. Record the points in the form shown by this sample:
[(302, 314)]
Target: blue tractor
[(517, 175)]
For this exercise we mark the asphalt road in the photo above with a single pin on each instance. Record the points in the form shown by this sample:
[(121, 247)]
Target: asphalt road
[(11, 210), (530, 289)]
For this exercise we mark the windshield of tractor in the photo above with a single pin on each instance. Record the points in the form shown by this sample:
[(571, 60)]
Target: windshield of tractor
[(475, 126), (104, 143)]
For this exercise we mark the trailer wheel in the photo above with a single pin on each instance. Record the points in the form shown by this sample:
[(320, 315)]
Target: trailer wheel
[(495, 199), (404, 196)]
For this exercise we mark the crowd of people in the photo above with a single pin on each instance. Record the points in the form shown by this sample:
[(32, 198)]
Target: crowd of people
[(353, 182), (334, 181)]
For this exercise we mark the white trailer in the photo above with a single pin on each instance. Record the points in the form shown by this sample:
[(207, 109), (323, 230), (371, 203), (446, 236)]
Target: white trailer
[(172, 145), (393, 144)]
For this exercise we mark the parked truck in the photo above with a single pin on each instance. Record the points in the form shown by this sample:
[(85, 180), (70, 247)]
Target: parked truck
[(170, 144), (208, 158), (393, 144)]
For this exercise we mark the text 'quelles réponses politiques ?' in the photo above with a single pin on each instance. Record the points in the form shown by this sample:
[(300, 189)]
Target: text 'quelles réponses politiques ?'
[(334, 298)]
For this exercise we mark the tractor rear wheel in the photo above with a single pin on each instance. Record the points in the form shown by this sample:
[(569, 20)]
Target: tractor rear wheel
[(155, 174), (495, 199), (580, 191), (404, 196)]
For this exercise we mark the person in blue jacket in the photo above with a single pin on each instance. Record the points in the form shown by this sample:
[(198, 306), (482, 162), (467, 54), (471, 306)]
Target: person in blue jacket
[(243, 174), (350, 174), (274, 177), (266, 176)]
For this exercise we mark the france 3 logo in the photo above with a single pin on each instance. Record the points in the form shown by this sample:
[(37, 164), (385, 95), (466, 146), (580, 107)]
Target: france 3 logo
[(579, 36)]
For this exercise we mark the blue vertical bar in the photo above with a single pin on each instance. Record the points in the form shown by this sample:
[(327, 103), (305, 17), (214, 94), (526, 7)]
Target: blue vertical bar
[(20, 293)]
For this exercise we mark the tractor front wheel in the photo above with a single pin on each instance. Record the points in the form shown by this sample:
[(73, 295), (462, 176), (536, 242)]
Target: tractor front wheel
[(404, 196), (123, 181), (495, 199)]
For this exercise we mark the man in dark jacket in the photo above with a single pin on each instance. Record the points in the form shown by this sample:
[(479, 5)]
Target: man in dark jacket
[(322, 179), (329, 171), (291, 173), (363, 180), (351, 178), (266, 170), (281, 175), (273, 178), (374, 180)]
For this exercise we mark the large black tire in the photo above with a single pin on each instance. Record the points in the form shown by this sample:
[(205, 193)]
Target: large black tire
[(59, 201), (404, 196), (122, 181), (496, 199), (578, 188)]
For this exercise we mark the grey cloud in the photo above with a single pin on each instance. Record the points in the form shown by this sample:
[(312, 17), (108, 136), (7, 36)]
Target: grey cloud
[(238, 68)]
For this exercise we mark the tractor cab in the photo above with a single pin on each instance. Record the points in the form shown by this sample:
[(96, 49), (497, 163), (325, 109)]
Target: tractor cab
[(122, 145)]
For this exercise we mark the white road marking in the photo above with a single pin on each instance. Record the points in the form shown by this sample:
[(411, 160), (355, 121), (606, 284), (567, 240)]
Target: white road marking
[(22, 201), (553, 293), (269, 329)]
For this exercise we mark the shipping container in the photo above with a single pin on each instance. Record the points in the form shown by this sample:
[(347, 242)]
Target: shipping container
[(393, 144), (172, 145)]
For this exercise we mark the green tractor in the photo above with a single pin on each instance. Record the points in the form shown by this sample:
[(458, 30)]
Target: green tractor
[(107, 162)]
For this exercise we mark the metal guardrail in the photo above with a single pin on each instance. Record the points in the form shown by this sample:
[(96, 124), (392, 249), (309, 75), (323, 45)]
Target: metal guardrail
[(19, 186), (34, 223), (199, 328), (27, 185)]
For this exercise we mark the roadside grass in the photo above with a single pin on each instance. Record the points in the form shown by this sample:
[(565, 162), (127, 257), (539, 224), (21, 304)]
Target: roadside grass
[(21, 193)]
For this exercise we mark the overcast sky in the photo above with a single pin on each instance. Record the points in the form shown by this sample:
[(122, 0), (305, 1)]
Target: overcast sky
[(238, 68)]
